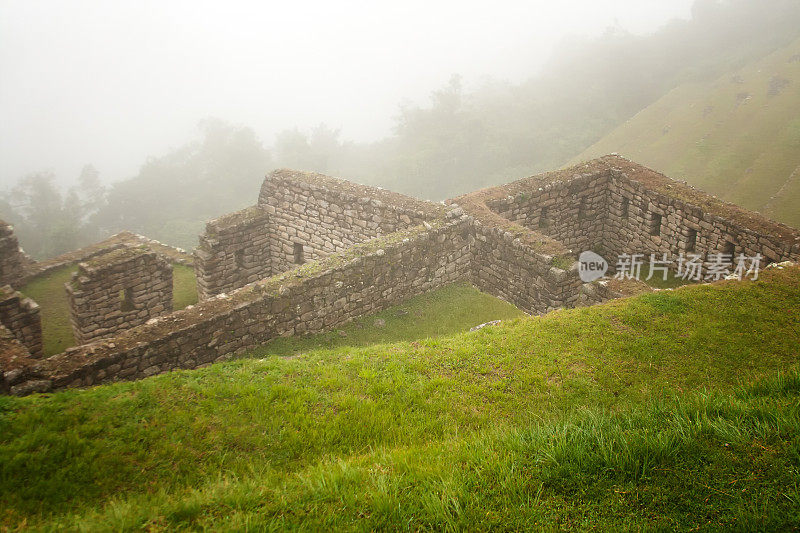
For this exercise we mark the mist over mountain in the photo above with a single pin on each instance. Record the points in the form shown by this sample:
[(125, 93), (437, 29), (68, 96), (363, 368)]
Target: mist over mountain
[(737, 136)]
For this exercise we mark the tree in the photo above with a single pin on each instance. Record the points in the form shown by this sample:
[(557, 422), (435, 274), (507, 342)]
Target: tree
[(173, 196), (48, 223), (318, 152)]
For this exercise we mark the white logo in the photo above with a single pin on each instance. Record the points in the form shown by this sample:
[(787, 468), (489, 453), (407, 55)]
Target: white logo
[(591, 266)]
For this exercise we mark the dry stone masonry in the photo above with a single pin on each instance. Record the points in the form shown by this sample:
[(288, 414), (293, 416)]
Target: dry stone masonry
[(118, 290), (234, 251), (20, 315), (14, 359), (614, 206), (12, 259), (316, 252), (299, 217)]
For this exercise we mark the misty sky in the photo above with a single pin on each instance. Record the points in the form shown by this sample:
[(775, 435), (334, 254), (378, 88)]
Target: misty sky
[(110, 82)]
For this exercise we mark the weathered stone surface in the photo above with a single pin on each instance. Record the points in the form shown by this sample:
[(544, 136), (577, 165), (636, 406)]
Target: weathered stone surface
[(13, 260), (611, 206), (118, 290), (234, 251), (20, 315), (300, 217)]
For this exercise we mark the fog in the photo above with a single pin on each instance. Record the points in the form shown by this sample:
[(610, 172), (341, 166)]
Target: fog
[(112, 83), (155, 117)]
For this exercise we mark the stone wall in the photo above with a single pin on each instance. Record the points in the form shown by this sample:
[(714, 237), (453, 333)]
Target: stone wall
[(20, 315), (524, 266), (300, 217), (649, 213), (614, 206), (12, 352), (118, 290), (506, 267), (12, 259), (233, 251), (364, 279), (571, 211), (324, 215)]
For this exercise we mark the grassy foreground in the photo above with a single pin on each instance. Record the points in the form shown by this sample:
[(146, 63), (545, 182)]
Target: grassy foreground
[(677, 409)]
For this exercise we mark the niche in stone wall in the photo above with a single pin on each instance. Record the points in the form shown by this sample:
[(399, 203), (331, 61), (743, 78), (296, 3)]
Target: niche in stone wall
[(625, 207), (729, 248), (581, 208), (691, 240), (299, 254), (126, 300), (655, 224), (543, 220), (238, 258)]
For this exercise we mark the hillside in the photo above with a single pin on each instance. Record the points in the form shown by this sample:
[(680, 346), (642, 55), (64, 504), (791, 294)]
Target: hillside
[(657, 411), (737, 137)]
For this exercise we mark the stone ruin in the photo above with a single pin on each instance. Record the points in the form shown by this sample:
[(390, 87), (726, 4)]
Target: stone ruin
[(13, 260), (299, 217), (20, 316), (611, 206), (234, 251), (316, 252), (118, 290)]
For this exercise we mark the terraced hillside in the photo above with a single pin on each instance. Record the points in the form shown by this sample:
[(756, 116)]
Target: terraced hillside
[(678, 409), (737, 137)]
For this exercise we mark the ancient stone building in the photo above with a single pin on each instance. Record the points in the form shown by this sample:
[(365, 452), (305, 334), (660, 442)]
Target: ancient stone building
[(614, 206), (20, 315), (299, 217), (611, 206), (234, 251), (316, 252), (12, 259), (118, 290)]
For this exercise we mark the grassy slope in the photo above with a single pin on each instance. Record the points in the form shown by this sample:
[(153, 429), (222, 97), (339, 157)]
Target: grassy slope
[(48, 292), (578, 418), (745, 153), (452, 309)]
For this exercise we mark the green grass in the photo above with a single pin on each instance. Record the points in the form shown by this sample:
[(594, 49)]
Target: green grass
[(48, 291), (657, 280), (446, 311), (746, 153), (184, 286), (671, 410)]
